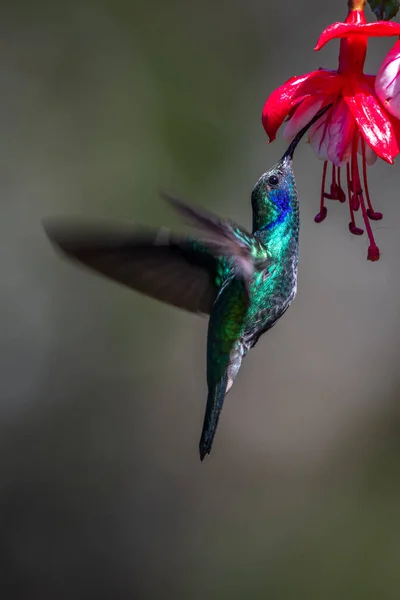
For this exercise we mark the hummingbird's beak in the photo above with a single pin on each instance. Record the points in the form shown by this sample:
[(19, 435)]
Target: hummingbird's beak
[(290, 151)]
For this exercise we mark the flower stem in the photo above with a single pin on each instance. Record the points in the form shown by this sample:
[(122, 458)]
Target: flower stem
[(356, 4)]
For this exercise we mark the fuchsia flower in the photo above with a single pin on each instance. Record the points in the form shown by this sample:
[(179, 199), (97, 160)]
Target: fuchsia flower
[(364, 119)]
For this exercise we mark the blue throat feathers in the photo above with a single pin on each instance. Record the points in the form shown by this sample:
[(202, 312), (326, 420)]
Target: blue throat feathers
[(280, 208)]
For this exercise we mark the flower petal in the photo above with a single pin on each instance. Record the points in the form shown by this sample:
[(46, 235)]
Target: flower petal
[(370, 155), (303, 115), (319, 136), (287, 96), (387, 83), (396, 129), (369, 80), (331, 136), (340, 134), (374, 124), (341, 30)]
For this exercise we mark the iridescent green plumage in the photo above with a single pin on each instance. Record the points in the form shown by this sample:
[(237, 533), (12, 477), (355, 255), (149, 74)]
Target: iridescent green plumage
[(237, 322), (245, 281)]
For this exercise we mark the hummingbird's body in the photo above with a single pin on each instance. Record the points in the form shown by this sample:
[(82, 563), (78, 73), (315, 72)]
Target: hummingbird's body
[(239, 316), (244, 281)]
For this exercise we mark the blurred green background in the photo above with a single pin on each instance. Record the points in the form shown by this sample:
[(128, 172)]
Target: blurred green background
[(102, 395)]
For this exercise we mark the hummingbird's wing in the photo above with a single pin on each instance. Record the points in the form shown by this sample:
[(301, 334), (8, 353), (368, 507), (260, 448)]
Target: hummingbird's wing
[(173, 269), (178, 270), (225, 238)]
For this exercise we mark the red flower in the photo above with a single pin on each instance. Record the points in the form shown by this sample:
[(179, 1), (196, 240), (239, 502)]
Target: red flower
[(356, 124)]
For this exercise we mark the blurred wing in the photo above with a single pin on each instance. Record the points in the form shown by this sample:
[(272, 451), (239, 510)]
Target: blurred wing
[(225, 239), (169, 268)]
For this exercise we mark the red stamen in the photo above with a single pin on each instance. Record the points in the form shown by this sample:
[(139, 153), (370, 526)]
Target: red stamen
[(355, 202), (323, 211), (352, 225), (341, 194), (335, 190), (355, 182), (374, 216), (373, 250), (355, 194)]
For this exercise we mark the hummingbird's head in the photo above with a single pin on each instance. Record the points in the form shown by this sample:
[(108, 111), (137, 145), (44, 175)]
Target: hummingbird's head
[(274, 196)]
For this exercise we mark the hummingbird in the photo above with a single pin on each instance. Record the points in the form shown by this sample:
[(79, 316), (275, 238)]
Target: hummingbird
[(244, 281)]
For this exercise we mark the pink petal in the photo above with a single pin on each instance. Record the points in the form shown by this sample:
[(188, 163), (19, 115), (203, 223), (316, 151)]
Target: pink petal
[(373, 122), (303, 115), (331, 137), (340, 134), (387, 83), (287, 96), (370, 155), (341, 30), (319, 137)]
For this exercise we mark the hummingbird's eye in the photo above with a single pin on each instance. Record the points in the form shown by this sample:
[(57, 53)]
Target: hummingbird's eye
[(273, 180)]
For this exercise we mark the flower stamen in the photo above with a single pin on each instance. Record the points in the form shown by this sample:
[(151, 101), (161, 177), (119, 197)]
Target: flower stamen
[(352, 225), (334, 193), (323, 211), (373, 250), (341, 193), (374, 216)]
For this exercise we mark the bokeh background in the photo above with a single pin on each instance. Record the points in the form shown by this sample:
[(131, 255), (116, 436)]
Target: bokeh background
[(102, 391)]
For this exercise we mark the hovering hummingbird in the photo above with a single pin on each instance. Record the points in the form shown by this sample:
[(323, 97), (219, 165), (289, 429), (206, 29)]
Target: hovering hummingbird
[(244, 281)]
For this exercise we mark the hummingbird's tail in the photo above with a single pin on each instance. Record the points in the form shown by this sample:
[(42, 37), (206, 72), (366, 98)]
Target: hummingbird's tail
[(217, 391), (215, 400)]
